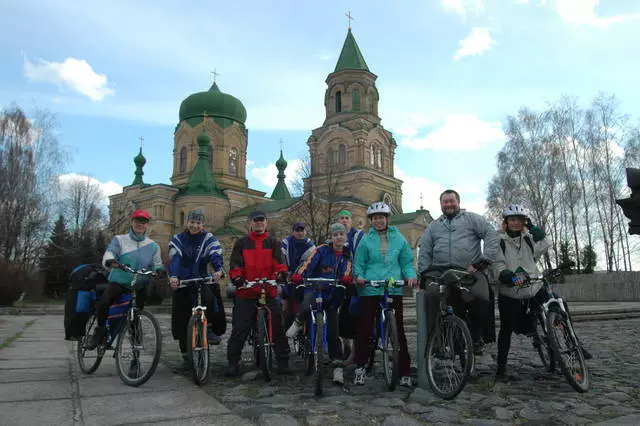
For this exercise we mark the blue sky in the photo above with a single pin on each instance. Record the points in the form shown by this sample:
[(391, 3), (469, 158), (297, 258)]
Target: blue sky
[(448, 72)]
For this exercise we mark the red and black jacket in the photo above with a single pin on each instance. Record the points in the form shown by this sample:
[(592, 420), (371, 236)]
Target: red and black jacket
[(254, 257)]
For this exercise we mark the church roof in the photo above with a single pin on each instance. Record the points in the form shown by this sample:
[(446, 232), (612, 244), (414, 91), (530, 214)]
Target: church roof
[(268, 207), (281, 192), (350, 57), (399, 219), (215, 104)]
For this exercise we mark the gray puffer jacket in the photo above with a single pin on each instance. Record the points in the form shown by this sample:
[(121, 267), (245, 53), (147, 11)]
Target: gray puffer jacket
[(456, 242)]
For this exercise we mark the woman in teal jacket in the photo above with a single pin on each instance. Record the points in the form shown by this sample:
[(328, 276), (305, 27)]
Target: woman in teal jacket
[(383, 253)]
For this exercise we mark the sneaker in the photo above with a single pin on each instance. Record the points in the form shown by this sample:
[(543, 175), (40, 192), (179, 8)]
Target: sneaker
[(338, 376), (213, 338), (360, 374), (406, 381), (295, 328), (478, 348), (96, 338), (501, 373), (233, 370), (283, 367)]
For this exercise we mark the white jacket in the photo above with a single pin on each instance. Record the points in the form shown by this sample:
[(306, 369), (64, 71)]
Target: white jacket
[(518, 253)]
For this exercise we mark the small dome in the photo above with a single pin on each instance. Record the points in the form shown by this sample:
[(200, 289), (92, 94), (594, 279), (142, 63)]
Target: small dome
[(281, 163), (139, 159), (215, 103)]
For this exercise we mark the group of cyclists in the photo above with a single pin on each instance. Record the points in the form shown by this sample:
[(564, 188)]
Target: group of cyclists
[(352, 258)]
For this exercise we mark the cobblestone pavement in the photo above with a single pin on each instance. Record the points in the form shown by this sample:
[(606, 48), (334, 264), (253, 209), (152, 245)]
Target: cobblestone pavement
[(532, 395)]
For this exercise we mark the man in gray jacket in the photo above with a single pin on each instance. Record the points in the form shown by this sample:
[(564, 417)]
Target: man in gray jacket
[(454, 241)]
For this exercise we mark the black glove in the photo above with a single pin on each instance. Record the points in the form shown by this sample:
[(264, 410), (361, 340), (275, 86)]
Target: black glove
[(161, 273), (111, 263), (482, 265), (238, 281), (281, 277), (506, 277)]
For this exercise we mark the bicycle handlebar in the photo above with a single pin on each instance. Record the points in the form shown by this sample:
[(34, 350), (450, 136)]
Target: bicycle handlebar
[(249, 284), (309, 282), (208, 280), (382, 283), (143, 271)]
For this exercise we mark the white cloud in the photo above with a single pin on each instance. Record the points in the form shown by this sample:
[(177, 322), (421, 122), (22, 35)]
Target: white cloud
[(325, 57), (458, 132), (415, 187), (269, 175), (75, 74), (583, 12), (250, 163), (476, 43), (463, 7), (108, 188)]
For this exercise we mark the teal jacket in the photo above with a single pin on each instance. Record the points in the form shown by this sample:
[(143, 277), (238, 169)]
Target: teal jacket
[(371, 265), (134, 251)]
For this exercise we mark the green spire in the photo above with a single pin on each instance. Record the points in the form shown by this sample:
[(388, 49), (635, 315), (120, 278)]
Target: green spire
[(139, 161), (351, 58), (201, 180), (281, 192)]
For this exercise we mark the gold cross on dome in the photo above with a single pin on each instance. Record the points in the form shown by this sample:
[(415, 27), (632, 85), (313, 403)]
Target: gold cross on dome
[(349, 17), (215, 74)]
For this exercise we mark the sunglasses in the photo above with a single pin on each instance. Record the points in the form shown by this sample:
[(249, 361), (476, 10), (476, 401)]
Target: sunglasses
[(299, 229), (141, 221)]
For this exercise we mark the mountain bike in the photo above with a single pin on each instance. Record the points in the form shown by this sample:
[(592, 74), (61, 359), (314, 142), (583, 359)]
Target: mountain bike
[(262, 334), (125, 326)]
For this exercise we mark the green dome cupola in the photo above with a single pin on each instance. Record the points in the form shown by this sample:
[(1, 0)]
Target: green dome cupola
[(215, 103)]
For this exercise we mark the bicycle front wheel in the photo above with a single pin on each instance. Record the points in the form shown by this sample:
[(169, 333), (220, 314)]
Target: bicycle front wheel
[(199, 348), (391, 351), (541, 343), (318, 352), (567, 351), (138, 349), (89, 360), (264, 345), (449, 356)]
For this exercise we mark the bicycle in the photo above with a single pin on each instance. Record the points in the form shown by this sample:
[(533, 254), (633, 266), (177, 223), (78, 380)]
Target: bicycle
[(313, 343), (385, 333), (197, 331), (556, 325), (261, 336), (450, 338), (124, 325)]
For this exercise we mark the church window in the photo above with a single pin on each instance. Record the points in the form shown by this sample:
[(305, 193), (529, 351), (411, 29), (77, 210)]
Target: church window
[(373, 160), (183, 160), (330, 157), (210, 156), (342, 156), (181, 218), (370, 102), (338, 101), (379, 159), (355, 100), (233, 162)]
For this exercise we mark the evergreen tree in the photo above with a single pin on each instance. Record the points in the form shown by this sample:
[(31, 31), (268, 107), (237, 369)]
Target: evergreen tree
[(56, 261), (566, 257), (100, 245), (589, 259)]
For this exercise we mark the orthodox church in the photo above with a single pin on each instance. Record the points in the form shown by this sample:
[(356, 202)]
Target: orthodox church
[(351, 166)]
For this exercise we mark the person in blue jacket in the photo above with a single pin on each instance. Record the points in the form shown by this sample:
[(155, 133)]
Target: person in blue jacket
[(332, 261), (189, 254), (296, 248)]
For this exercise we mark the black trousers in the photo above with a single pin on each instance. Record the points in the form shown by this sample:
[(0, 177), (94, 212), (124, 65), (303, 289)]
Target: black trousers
[(111, 295), (244, 317), (183, 302)]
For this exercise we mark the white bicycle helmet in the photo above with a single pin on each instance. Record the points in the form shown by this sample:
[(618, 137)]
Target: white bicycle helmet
[(378, 208), (515, 210)]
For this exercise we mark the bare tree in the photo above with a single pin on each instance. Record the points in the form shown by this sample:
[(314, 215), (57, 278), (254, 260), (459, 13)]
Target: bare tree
[(30, 157)]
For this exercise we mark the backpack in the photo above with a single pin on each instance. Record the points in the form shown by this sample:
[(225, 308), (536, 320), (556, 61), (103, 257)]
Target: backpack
[(87, 276), (526, 239), (81, 296)]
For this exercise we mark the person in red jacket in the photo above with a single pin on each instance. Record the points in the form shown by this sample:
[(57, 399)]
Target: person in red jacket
[(254, 257)]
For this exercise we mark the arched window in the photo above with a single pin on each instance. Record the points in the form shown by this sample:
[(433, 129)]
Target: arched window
[(233, 162), (338, 101), (379, 159), (342, 155), (370, 102), (330, 157), (355, 100), (210, 154), (183, 160), (373, 159)]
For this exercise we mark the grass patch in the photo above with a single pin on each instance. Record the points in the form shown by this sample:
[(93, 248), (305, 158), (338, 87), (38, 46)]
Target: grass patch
[(8, 341)]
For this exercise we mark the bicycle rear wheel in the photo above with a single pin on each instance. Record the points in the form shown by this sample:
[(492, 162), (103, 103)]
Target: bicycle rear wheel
[(567, 351), (199, 348), (137, 342), (541, 343), (449, 356), (89, 360), (391, 351), (265, 358), (318, 352)]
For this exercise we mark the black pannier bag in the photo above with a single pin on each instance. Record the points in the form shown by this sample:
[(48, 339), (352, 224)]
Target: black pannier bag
[(84, 280)]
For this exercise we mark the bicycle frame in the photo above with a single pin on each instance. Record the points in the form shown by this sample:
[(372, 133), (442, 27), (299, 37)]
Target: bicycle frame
[(317, 305), (383, 308), (261, 303)]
